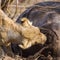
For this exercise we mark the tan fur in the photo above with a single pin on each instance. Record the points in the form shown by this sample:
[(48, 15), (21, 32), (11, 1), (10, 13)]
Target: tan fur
[(26, 23), (9, 30), (31, 35), (25, 34)]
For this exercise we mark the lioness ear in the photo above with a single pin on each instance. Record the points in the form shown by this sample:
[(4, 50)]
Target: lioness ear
[(24, 19), (22, 22), (30, 22)]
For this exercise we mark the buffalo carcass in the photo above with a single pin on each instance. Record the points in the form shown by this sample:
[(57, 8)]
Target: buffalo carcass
[(45, 15)]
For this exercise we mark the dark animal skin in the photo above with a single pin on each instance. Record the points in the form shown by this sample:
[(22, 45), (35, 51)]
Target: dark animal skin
[(45, 15)]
